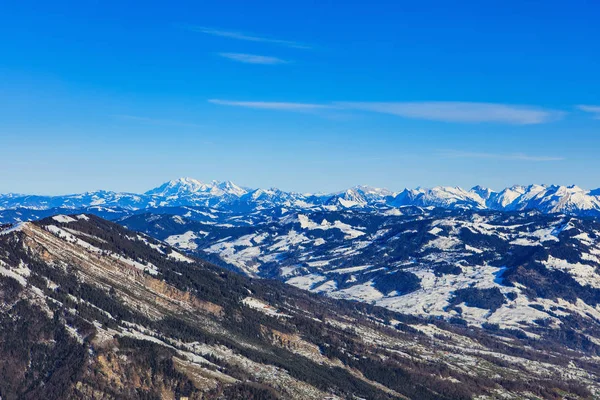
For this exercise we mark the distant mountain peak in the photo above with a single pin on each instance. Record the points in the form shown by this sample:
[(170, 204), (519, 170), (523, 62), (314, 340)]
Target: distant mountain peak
[(190, 186), (483, 192), (371, 191), (177, 186), (226, 195)]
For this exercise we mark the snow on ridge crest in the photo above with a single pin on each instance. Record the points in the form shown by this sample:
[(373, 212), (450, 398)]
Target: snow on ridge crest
[(228, 196)]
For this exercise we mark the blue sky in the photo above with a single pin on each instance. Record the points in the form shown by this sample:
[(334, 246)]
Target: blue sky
[(307, 96)]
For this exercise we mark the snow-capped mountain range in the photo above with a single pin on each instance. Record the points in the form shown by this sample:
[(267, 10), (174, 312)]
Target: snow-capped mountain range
[(522, 260), (229, 196)]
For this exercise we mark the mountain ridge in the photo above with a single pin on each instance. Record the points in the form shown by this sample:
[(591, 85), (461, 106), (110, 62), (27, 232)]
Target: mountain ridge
[(89, 309), (414, 261), (226, 195)]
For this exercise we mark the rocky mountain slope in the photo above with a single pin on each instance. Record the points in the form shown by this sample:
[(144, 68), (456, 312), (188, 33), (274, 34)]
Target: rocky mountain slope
[(89, 309), (229, 197)]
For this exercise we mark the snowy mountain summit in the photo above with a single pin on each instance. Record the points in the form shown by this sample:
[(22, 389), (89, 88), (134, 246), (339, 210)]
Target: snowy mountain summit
[(191, 186), (227, 195)]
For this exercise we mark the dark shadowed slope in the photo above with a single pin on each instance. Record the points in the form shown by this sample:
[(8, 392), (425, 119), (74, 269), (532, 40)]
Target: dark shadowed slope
[(92, 310)]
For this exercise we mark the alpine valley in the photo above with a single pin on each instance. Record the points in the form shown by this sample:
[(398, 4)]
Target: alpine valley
[(212, 290)]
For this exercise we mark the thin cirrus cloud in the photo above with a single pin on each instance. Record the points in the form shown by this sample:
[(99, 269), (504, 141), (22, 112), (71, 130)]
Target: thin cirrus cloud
[(445, 111), (253, 58), (594, 110), (497, 156), (457, 111), (245, 36)]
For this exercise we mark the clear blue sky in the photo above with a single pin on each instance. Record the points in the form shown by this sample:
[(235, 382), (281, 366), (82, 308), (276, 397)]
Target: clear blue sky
[(308, 96)]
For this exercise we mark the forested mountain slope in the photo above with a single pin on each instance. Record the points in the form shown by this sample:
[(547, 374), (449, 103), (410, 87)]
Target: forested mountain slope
[(89, 309)]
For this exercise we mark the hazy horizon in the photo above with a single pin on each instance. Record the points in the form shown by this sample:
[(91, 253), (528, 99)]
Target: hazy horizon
[(392, 189)]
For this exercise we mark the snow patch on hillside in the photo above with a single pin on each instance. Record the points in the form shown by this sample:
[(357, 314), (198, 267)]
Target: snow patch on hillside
[(351, 232), (584, 274), (63, 219), (263, 307), (185, 240)]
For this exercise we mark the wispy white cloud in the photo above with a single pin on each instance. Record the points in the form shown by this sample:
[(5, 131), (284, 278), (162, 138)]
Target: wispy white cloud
[(446, 111), (253, 58), (245, 36), (595, 110), (266, 105), (157, 121), (455, 111), (496, 156)]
